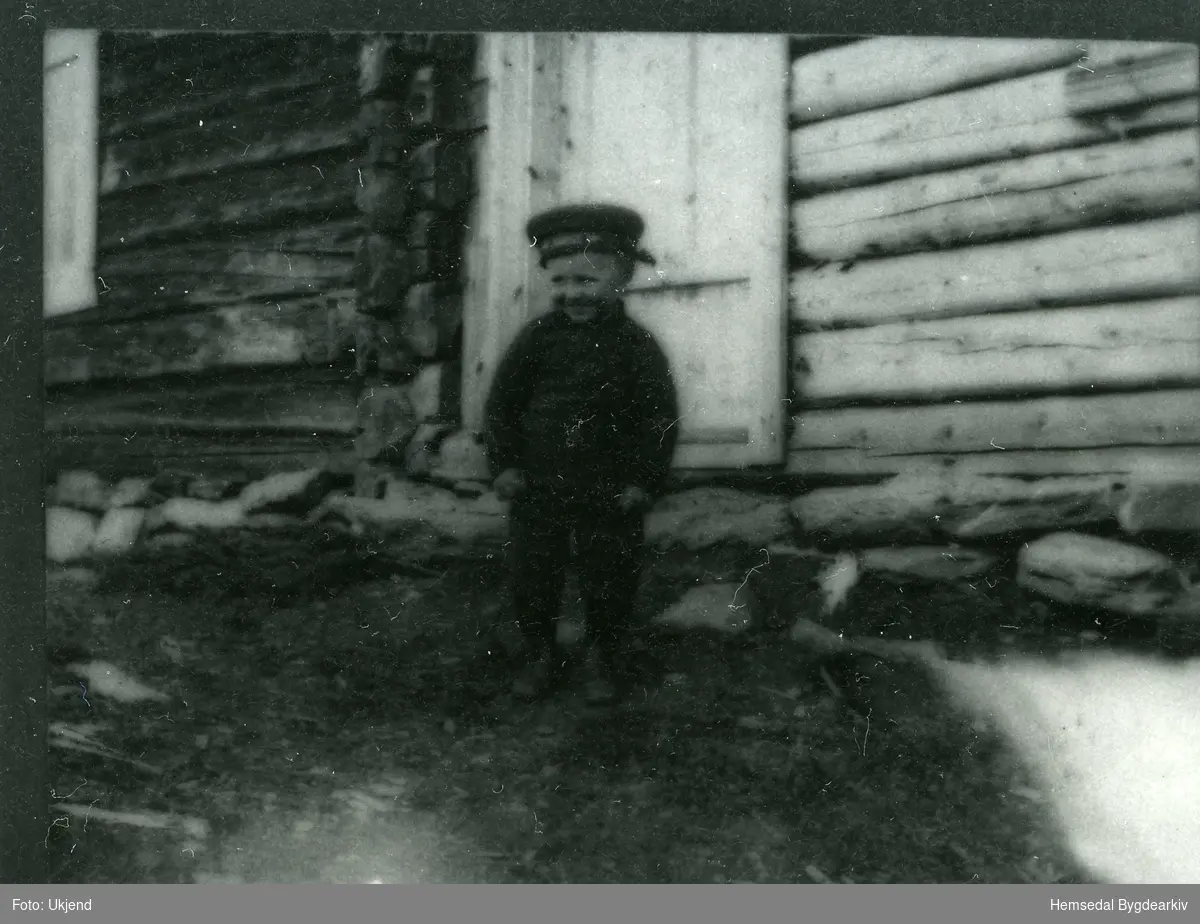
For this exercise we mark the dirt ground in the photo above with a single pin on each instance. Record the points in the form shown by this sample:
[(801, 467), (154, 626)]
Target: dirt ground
[(355, 729)]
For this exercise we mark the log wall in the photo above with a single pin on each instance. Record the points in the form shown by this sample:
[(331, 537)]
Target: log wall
[(278, 242), (995, 258)]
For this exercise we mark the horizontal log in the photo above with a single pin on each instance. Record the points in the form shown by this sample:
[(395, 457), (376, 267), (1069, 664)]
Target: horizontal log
[(1144, 177), (314, 123), (1111, 346), (1108, 82), (1014, 118), (1150, 463), (956, 505), (284, 400), (1137, 260), (309, 332), (1153, 418), (332, 241), (208, 260), (189, 66), (119, 455), (268, 197), (130, 67), (129, 299), (330, 70), (174, 284), (888, 70)]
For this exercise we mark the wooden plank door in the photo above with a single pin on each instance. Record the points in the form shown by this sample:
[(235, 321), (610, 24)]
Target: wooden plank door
[(691, 130)]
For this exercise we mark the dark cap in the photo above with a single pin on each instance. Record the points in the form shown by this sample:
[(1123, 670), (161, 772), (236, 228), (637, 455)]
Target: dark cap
[(579, 228)]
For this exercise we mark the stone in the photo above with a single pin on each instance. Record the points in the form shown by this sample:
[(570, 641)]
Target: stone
[(187, 514), (928, 562), (269, 521), (386, 423), (119, 530), (287, 492), (725, 608), (1161, 508), (132, 492), (425, 391), (898, 508), (1079, 569), (421, 453), (836, 580), (69, 534), (408, 504), (378, 350), (108, 680), (81, 490), (817, 639), (212, 488), (429, 319), (383, 196), (461, 457), (705, 517)]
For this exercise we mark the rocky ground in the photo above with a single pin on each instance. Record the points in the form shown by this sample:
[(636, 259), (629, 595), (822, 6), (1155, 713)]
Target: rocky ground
[(309, 712)]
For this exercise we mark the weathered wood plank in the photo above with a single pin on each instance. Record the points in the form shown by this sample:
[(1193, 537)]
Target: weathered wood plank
[(1112, 346), (281, 401), (1014, 118), (144, 122), (207, 260), (1108, 82), (118, 455), (1153, 418), (138, 297), (889, 70), (305, 332), (954, 504), (319, 190), (1148, 462), (1110, 263), (131, 70), (131, 286), (335, 240), (311, 124), (200, 64), (1059, 191)]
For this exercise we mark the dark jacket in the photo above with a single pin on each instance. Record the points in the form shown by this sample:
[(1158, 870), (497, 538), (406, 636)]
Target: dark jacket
[(579, 405)]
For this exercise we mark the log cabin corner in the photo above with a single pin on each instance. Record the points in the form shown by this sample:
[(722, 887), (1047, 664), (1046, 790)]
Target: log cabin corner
[(930, 287)]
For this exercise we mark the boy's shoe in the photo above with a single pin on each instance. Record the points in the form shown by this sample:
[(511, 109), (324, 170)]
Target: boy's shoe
[(543, 675)]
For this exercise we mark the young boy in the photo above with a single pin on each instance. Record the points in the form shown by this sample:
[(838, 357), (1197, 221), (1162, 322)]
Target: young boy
[(580, 431)]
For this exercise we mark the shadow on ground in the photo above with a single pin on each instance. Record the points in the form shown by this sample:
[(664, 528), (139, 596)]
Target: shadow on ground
[(362, 734)]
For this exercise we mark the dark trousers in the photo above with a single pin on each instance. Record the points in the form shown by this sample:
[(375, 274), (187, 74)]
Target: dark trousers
[(609, 546)]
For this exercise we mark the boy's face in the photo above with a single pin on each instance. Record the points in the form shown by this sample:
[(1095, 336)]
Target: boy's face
[(582, 283)]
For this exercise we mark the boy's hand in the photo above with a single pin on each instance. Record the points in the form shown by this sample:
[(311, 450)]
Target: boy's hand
[(510, 483), (633, 498)]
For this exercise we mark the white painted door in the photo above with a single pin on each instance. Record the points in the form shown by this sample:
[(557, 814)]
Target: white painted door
[(691, 131), (70, 100)]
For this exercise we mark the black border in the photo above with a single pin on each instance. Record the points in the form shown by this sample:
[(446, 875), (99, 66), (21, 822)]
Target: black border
[(22, 590)]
